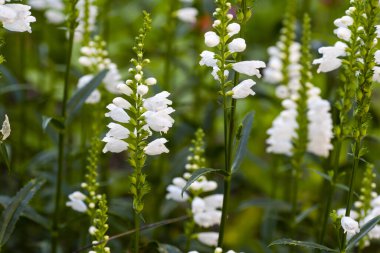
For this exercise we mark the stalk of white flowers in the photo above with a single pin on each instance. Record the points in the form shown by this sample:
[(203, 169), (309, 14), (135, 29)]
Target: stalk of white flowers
[(136, 117), (94, 58), (16, 17), (87, 13)]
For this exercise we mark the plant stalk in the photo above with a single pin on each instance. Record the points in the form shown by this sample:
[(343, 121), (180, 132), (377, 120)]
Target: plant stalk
[(61, 148)]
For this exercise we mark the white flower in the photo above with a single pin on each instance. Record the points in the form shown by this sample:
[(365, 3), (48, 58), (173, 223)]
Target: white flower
[(344, 21), (350, 226), (208, 59), (159, 121), (376, 74), (112, 79), (237, 45), (342, 212), (92, 230), (121, 102), (232, 29), (215, 71), (343, 33), (211, 39), (330, 60), (125, 89), (158, 102), (55, 16), (206, 214), (151, 81), (95, 96), (243, 89), (117, 114), (16, 17), (77, 202), (156, 147), (91, 18), (249, 68), (117, 131), (142, 89), (188, 15), (174, 193), (208, 238), (114, 145), (6, 129)]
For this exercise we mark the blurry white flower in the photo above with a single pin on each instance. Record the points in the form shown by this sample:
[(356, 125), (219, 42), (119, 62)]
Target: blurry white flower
[(114, 145), (249, 68), (211, 39), (237, 45), (208, 238), (174, 190), (95, 95), (156, 147), (243, 89), (92, 14), (77, 202), (233, 28), (151, 81), (350, 226), (188, 15), (330, 60), (16, 17), (215, 71), (344, 21), (6, 129), (142, 89), (208, 59), (343, 33)]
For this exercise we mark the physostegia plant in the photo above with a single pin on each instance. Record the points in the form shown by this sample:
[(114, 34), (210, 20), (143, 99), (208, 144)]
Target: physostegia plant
[(223, 59), (135, 116)]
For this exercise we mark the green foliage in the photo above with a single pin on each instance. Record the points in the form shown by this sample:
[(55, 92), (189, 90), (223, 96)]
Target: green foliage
[(310, 245)]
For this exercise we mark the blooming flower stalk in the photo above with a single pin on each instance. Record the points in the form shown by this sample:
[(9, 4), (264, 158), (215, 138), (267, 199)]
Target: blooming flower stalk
[(223, 59), (53, 9), (135, 117)]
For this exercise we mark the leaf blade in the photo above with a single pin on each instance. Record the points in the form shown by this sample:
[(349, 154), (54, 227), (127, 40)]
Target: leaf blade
[(364, 230), (241, 150), (291, 242)]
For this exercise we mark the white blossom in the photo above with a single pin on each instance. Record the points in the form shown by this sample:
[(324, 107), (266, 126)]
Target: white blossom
[(208, 59), (114, 145), (16, 17), (237, 45), (77, 202), (5, 129), (211, 39), (117, 114), (350, 226), (330, 60), (188, 15), (208, 238), (156, 147), (232, 29), (117, 131), (243, 89), (249, 68), (95, 96)]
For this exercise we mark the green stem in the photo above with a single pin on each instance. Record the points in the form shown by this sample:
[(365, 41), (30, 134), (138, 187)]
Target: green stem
[(355, 166), (137, 234), (61, 148), (331, 188)]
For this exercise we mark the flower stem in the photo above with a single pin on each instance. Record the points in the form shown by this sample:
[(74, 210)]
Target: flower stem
[(137, 234), (61, 146)]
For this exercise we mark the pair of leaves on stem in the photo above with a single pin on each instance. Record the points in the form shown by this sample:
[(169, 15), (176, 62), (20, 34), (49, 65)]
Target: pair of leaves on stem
[(75, 103), (350, 244), (242, 138)]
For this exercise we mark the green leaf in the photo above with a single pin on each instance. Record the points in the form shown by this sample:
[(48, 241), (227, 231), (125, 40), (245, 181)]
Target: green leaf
[(200, 172), (4, 155), (167, 248), (324, 175), (311, 245), (241, 150), (56, 122), (80, 96), (14, 209), (305, 213), (364, 230)]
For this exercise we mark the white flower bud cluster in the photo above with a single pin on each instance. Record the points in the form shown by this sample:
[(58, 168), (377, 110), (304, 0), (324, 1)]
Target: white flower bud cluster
[(235, 45), (330, 55), (320, 127), (95, 58), (273, 73), (92, 14), (16, 17), (157, 115), (54, 9)]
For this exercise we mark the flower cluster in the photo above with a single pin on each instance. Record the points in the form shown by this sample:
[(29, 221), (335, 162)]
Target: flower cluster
[(16, 17), (204, 210), (54, 9), (283, 130), (274, 72), (187, 14), (94, 59), (224, 39), (87, 13), (346, 29)]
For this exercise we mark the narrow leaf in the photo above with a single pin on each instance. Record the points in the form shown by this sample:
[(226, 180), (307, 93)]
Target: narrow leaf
[(4, 155), (200, 172), (56, 122), (13, 211), (305, 213), (311, 245), (241, 150), (364, 230), (80, 96)]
